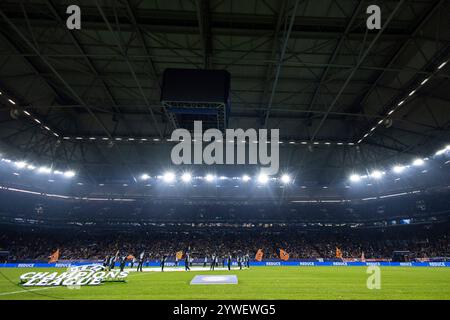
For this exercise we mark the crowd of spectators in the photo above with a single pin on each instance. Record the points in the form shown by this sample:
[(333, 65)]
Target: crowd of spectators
[(299, 245)]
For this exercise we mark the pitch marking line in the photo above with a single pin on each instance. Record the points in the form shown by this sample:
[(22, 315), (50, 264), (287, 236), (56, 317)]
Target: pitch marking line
[(23, 291)]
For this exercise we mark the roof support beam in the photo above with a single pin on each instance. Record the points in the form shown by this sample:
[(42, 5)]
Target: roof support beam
[(130, 67), (352, 73), (204, 22), (391, 61), (60, 78), (335, 53), (154, 71), (280, 63)]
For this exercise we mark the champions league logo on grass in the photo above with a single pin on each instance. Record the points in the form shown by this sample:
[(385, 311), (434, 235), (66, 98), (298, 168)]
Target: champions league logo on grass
[(90, 275)]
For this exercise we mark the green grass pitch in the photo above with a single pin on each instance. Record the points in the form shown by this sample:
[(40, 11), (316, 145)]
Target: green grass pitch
[(255, 283)]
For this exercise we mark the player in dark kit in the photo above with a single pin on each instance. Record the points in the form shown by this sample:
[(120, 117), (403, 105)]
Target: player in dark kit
[(123, 260), (112, 262), (141, 261), (239, 261), (186, 262), (229, 262), (213, 262), (106, 262), (163, 262)]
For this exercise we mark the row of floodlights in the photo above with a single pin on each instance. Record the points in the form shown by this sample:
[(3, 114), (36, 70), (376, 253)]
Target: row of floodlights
[(292, 142), (22, 165), (397, 169), (186, 177), (399, 104), (28, 114), (9, 99), (39, 122)]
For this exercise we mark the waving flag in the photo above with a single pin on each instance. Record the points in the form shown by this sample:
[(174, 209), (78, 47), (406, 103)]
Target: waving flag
[(179, 255), (283, 255), (338, 253), (54, 257), (259, 255)]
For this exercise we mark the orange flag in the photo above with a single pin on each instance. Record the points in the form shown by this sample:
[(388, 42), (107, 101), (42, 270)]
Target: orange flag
[(54, 257), (179, 255), (259, 255), (283, 255), (130, 257), (338, 253)]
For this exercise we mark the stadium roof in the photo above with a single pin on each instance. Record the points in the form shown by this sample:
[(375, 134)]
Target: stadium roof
[(309, 68)]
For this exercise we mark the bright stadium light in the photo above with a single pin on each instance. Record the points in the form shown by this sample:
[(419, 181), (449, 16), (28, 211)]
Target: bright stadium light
[(69, 174), (376, 174), (398, 169), (169, 177), (44, 170), (245, 178), (186, 177), (209, 178), (145, 177), (442, 65), (31, 167), (355, 178), (285, 179), (418, 162), (263, 178), (20, 164)]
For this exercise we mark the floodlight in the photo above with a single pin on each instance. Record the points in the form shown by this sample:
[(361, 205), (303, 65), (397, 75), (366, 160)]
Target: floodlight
[(263, 178), (186, 177), (209, 177), (169, 177), (442, 65), (69, 174), (376, 174), (418, 162), (245, 178), (20, 164), (145, 177), (285, 179), (44, 170), (398, 169), (355, 178)]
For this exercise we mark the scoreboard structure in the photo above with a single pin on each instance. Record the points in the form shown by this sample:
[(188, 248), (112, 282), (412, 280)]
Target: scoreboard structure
[(190, 95)]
